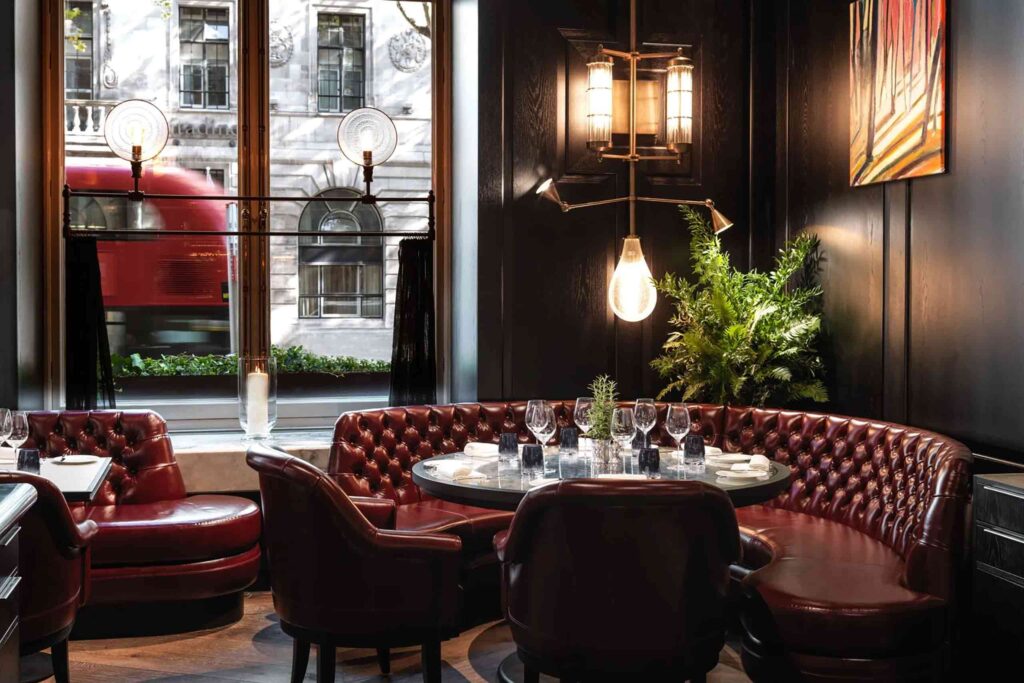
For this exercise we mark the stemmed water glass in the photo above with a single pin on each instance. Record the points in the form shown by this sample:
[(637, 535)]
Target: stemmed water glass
[(677, 424), (623, 428), (540, 419), (5, 425), (646, 415), (19, 431), (581, 414)]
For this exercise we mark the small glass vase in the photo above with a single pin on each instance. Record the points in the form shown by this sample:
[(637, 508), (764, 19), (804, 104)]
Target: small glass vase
[(604, 450), (257, 396)]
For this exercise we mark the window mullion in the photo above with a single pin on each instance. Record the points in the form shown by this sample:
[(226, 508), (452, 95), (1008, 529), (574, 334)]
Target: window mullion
[(254, 175)]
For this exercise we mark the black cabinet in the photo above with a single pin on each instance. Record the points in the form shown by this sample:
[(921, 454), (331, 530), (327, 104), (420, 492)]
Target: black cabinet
[(998, 595)]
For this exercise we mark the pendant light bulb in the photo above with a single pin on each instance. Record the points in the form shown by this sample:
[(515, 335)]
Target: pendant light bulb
[(631, 292)]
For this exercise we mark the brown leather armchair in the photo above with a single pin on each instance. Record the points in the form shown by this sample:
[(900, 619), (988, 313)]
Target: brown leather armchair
[(619, 580), (339, 580), (154, 544), (54, 568)]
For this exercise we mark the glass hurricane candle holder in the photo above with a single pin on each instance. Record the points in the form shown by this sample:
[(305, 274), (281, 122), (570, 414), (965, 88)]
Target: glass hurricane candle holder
[(257, 395)]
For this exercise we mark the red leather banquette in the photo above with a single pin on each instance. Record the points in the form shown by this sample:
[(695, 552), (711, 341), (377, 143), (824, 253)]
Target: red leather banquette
[(850, 573), (153, 543)]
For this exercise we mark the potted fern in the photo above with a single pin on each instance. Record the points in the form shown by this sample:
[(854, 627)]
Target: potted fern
[(605, 393), (743, 338)]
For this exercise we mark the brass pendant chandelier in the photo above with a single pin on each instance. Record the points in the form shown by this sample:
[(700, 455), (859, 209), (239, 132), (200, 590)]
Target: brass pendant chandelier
[(631, 292)]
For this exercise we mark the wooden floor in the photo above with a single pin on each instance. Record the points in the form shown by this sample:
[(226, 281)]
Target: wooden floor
[(257, 651)]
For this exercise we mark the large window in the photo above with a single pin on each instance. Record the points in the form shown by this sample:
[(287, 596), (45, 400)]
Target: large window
[(340, 61), (179, 307), (204, 57), (78, 54)]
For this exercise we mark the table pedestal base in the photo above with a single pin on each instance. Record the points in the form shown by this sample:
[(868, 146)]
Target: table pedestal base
[(511, 671)]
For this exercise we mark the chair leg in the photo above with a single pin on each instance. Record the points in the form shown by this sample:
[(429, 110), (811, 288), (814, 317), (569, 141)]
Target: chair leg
[(325, 664), (530, 675), (59, 657), (384, 660), (300, 660), (430, 657)]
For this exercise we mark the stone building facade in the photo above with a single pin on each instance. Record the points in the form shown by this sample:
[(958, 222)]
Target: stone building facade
[(333, 295)]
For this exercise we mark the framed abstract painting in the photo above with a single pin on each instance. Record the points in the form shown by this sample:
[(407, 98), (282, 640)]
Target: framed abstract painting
[(897, 90)]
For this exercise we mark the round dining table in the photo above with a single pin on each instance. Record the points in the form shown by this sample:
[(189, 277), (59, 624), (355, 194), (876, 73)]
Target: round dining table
[(483, 481)]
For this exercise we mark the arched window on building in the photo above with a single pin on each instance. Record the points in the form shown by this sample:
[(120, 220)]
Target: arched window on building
[(341, 268)]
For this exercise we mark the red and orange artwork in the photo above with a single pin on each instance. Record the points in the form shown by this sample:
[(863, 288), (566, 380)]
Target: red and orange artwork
[(897, 89)]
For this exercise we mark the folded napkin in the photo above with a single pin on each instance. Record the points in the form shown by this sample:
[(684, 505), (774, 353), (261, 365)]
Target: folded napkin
[(8, 454), (478, 449), (453, 469), (756, 463)]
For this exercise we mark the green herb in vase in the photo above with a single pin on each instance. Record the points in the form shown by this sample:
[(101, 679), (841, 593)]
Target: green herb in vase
[(605, 393)]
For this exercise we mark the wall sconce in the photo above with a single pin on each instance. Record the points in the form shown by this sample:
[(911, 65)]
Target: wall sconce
[(679, 102), (631, 292), (599, 102), (136, 131)]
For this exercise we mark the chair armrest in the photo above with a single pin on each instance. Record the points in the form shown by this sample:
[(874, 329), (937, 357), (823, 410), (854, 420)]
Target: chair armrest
[(500, 541), (415, 545), (381, 512)]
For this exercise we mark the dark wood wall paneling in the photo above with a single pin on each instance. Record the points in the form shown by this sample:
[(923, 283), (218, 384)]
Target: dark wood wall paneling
[(923, 278), (545, 328)]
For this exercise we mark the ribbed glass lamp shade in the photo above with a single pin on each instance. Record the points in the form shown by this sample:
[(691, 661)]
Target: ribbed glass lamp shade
[(367, 136), (679, 103), (136, 130), (631, 292), (599, 103)]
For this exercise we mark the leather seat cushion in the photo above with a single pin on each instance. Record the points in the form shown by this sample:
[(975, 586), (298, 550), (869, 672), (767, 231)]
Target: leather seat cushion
[(193, 529), (831, 590), (475, 526)]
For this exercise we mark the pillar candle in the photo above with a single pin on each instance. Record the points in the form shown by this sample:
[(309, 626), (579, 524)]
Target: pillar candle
[(257, 392)]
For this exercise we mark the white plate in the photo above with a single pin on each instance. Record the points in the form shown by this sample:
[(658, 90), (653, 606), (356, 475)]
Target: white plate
[(74, 460), (749, 474)]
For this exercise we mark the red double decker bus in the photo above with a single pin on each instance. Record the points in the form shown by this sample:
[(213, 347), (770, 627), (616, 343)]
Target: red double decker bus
[(162, 294)]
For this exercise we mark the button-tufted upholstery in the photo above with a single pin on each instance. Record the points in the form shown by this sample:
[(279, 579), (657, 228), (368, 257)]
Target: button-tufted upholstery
[(153, 543), (882, 506)]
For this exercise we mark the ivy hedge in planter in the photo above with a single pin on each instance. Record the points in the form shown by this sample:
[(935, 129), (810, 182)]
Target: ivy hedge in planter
[(294, 359)]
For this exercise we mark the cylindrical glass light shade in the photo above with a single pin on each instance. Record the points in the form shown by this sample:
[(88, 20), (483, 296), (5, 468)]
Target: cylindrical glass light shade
[(599, 103), (631, 292), (367, 136), (136, 130), (679, 103)]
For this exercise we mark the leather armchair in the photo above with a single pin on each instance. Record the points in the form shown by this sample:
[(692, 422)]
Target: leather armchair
[(619, 580), (54, 567), (154, 544), (339, 580)]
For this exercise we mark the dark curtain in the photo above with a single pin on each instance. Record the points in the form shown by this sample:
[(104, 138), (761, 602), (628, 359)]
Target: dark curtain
[(88, 373), (414, 356)]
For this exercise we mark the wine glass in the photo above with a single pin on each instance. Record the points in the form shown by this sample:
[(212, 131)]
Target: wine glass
[(581, 414), (5, 425), (19, 431), (540, 419), (623, 427), (677, 424), (646, 415)]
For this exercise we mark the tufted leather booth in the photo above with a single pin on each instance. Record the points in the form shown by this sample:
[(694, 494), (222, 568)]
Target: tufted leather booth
[(852, 569), (611, 580), (153, 543), (53, 562), (340, 580)]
